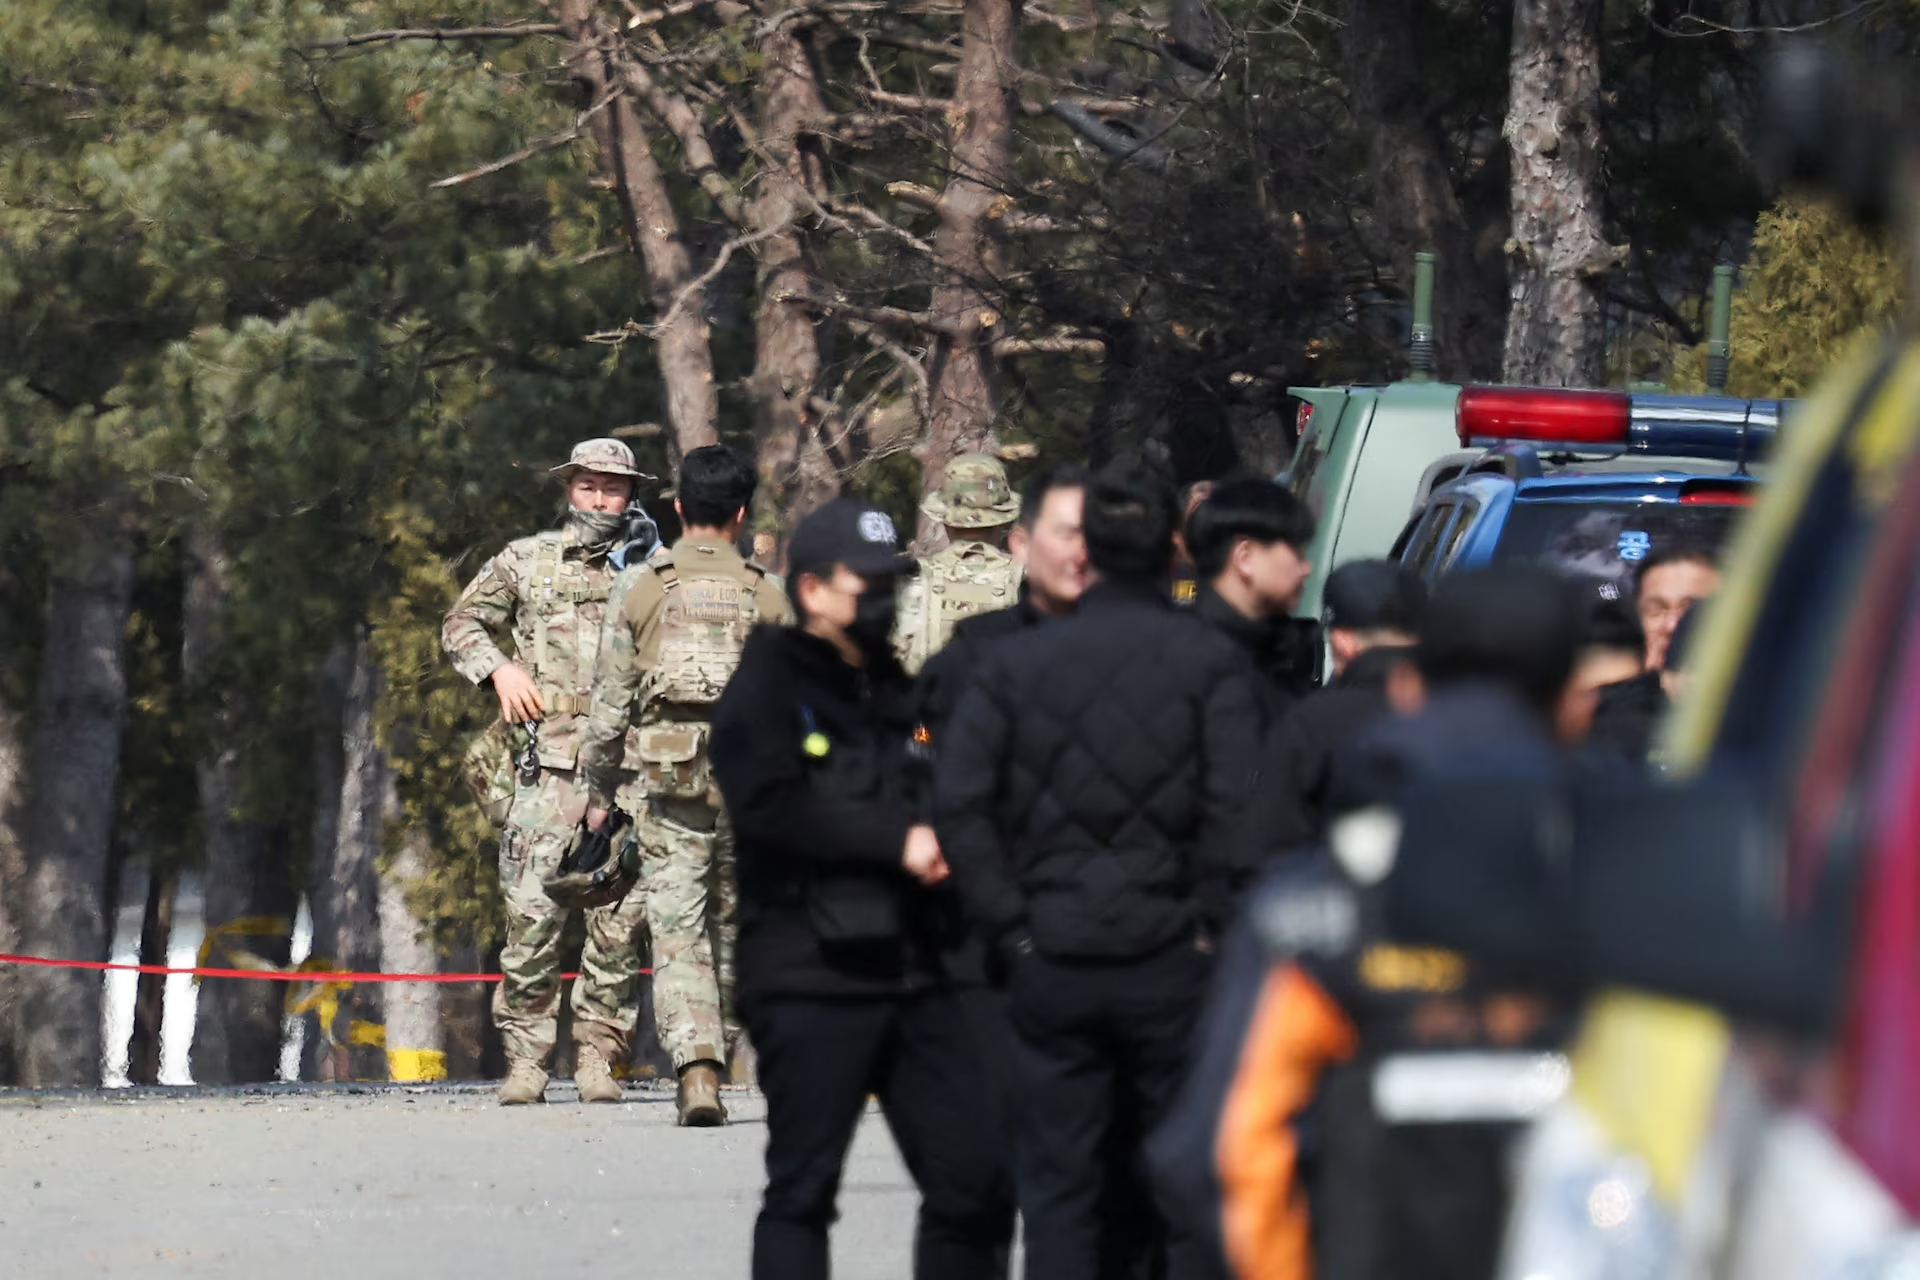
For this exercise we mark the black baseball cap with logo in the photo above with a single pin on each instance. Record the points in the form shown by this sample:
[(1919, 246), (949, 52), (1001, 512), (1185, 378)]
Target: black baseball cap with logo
[(848, 532)]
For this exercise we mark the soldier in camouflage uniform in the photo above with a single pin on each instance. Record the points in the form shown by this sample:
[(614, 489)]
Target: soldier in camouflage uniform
[(549, 593), (672, 639), (970, 575)]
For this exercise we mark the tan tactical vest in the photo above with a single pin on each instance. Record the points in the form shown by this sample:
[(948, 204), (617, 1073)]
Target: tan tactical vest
[(965, 579), (704, 622)]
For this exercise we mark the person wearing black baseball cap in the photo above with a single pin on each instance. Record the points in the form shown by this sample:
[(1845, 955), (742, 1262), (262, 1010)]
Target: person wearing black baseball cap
[(836, 971), (1371, 604)]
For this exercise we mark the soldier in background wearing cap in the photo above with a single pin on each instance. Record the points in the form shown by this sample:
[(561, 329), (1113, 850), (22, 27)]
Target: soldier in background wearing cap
[(549, 593), (970, 574), (836, 968)]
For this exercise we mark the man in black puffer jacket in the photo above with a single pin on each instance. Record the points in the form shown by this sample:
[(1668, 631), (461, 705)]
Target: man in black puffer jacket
[(1086, 798)]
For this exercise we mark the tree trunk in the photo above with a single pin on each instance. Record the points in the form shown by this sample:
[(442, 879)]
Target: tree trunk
[(150, 997), (249, 896), (969, 257), (416, 1040), (81, 715), (350, 768), (682, 345), (13, 869), (1556, 322), (1415, 204), (796, 473)]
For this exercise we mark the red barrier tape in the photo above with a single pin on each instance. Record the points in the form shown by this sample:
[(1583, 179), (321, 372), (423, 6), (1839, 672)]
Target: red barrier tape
[(261, 975)]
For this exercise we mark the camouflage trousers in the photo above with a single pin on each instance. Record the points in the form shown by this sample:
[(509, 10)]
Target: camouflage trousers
[(526, 1007), (686, 873)]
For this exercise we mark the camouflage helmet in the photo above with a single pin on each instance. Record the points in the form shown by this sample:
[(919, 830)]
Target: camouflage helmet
[(599, 867), (975, 495), (605, 455)]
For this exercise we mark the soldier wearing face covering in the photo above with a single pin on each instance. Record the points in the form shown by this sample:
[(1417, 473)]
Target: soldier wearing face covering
[(835, 967), (546, 596)]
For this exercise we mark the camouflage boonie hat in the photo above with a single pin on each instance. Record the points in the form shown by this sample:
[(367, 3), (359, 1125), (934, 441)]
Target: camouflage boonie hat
[(976, 494), (607, 455)]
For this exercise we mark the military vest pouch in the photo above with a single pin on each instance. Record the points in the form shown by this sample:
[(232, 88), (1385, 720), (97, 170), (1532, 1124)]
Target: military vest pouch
[(487, 769), (673, 761)]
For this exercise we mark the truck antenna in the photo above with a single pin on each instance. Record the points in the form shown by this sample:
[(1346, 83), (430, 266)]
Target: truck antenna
[(1420, 349), (1719, 330)]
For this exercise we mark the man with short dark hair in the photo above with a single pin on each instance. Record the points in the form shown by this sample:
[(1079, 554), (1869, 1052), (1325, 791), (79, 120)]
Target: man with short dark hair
[(1249, 541), (1086, 794), (676, 625), (838, 923)]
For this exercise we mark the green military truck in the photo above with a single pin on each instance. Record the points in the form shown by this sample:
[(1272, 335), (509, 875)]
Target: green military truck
[(1366, 459)]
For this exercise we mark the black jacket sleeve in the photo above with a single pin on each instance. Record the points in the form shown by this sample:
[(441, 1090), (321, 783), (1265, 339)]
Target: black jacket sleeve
[(1282, 813), (967, 785), (838, 811), (1231, 723)]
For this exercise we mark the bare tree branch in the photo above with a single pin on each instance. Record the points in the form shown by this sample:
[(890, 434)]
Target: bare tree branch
[(638, 17), (1060, 345), (841, 308), (904, 101), (1692, 26), (527, 152), (1122, 146), (712, 273), (868, 218), (519, 32), (903, 359), (672, 111), (914, 194)]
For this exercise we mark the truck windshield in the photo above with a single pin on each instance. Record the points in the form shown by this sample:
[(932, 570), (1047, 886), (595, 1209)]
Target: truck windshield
[(1606, 541)]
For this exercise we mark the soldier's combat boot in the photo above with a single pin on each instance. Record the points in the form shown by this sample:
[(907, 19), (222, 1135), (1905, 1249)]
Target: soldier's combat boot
[(525, 1083), (593, 1077), (700, 1096)]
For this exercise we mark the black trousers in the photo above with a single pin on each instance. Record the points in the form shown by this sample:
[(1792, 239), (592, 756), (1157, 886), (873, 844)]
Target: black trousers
[(818, 1061), (1103, 1047)]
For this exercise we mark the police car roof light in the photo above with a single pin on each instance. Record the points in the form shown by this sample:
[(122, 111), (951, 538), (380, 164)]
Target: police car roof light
[(1679, 426), (1580, 419)]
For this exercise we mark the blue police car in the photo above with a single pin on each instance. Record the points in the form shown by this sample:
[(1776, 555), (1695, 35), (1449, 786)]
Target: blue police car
[(1591, 481)]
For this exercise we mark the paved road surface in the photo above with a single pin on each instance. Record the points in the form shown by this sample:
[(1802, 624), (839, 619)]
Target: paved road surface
[(370, 1184)]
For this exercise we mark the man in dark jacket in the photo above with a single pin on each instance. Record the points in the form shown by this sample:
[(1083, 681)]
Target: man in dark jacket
[(1087, 793), (1354, 1097), (1372, 611), (836, 973), (1249, 541)]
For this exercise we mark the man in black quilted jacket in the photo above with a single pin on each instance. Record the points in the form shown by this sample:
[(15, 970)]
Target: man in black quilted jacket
[(1086, 798)]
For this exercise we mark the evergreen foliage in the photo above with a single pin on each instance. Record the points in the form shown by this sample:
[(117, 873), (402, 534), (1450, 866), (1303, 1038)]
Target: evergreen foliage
[(1814, 284)]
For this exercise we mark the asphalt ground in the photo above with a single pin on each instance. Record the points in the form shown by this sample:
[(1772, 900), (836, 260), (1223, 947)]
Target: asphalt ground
[(288, 1182)]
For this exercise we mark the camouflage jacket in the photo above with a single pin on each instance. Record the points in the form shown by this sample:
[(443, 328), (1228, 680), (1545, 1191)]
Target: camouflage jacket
[(630, 685), (961, 579), (549, 597)]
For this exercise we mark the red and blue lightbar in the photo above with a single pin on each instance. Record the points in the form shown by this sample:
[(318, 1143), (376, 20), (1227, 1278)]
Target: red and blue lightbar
[(1565, 421)]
